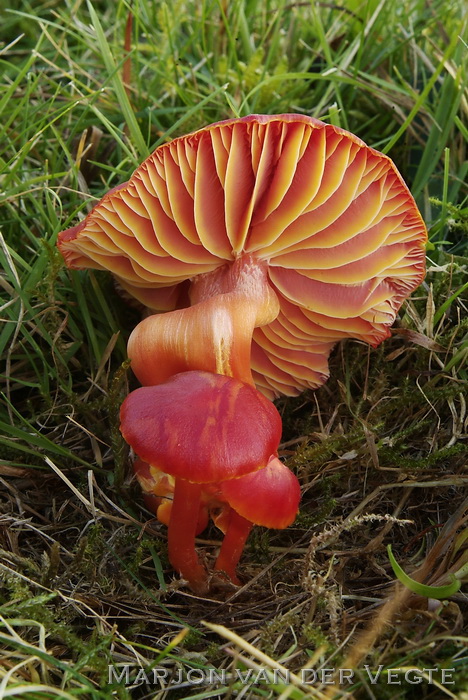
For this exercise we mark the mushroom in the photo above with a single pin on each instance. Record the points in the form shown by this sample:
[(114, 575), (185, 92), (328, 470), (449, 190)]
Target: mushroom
[(217, 437), (266, 240), (307, 234), (268, 497)]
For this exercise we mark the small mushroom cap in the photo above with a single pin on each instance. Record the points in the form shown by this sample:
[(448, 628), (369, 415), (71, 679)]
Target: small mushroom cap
[(332, 218), (268, 497), (201, 426)]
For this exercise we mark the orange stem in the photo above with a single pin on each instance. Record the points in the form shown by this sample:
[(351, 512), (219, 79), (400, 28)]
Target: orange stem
[(181, 534), (233, 545), (214, 334)]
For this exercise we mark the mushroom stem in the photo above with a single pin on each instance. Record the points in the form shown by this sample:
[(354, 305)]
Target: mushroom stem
[(238, 530), (215, 333), (181, 534)]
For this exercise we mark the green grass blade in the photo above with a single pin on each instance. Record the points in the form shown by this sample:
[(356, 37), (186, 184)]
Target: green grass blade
[(117, 84), (424, 94), (437, 592)]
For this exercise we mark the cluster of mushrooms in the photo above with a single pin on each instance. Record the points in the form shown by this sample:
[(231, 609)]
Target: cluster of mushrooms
[(264, 240)]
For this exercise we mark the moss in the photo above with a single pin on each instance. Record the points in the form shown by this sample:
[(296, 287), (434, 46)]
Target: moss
[(258, 544), (276, 629), (443, 457), (117, 391), (314, 637)]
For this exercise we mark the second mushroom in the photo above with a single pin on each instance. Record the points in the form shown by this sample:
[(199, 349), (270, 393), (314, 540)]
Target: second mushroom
[(265, 240)]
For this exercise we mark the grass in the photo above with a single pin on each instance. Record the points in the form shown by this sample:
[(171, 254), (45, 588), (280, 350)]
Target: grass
[(380, 450)]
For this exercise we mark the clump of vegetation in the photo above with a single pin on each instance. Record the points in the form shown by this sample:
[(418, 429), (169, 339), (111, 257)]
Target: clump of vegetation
[(380, 450)]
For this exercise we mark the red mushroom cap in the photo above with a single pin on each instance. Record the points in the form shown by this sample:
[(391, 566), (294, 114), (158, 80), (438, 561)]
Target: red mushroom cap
[(202, 427), (268, 497)]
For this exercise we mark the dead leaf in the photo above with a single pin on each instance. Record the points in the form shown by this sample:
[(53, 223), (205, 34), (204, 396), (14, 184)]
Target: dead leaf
[(419, 339)]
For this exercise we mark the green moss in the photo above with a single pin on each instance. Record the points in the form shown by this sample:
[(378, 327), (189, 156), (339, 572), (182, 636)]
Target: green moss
[(258, 545), (313, 637), (117, 392), (394, 457), (277, 628)]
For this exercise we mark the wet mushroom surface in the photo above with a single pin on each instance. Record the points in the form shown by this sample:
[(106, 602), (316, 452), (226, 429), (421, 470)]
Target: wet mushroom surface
[(265, 240)]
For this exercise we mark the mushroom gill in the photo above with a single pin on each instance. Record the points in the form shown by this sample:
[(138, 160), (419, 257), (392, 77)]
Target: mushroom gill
[(329, 218)]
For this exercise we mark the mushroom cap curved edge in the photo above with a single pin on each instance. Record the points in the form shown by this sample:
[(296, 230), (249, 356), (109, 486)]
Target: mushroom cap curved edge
[(268, 497), (202, 427), (332, 217)]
